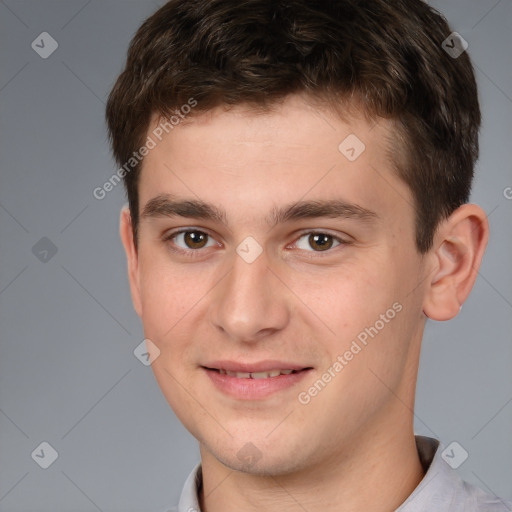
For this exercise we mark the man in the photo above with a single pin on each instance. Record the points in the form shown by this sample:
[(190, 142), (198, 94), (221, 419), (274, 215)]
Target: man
[(298, 175)]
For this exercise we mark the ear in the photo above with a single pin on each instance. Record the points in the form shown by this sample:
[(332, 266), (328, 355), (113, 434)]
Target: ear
[(126, 231), (459, 245)]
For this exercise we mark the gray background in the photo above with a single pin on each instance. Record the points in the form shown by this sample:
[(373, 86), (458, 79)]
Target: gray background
[(68, 375)]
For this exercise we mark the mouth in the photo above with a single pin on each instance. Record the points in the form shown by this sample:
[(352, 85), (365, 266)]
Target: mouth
[(255, 375), (254, 381)]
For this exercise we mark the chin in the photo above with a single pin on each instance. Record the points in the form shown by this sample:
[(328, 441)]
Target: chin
[(269, 460), (262, 467)]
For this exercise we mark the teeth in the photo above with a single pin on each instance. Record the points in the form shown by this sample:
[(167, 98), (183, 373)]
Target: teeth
[(263, 375), (239, 375), (255, 375)]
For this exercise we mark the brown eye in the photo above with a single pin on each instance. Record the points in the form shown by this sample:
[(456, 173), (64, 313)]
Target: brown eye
[(320, 241), (316, 241), (190, 239), (195, 239)]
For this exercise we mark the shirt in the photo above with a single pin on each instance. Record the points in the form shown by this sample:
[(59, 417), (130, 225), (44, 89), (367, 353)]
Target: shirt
[(440, 490)]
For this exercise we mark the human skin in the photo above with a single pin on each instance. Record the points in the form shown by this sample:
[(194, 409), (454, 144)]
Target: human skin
[(353, 443)]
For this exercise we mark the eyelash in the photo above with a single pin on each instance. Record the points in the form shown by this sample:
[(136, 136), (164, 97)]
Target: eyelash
[(193, 253)]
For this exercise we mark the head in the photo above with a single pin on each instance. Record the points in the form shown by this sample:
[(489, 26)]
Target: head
[(320, 156)]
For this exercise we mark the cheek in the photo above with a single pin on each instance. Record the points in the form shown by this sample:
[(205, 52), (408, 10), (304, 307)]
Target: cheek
[(170, 307), (369, 359), (371, 317), (349, 299), (168, 293), (175, 302)]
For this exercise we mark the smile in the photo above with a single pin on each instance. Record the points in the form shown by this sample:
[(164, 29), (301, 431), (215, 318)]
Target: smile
[(256, 375), (254, 381)]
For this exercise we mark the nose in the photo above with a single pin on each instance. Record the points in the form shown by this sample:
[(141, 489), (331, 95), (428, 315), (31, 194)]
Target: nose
[(250, 303)]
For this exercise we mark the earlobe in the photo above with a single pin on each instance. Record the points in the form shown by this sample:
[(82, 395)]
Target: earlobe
[(459, 245), (132, 257)]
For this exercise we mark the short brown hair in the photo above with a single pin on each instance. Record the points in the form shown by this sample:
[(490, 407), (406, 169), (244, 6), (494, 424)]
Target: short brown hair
[(386, 54)]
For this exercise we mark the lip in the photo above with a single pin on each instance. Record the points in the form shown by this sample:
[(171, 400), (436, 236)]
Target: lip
[(254, 389)]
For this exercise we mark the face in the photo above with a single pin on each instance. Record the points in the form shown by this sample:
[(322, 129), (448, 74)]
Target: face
[(277, 275)]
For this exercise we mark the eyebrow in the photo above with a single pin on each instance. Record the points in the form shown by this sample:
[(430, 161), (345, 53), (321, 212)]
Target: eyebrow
[(165, 205)]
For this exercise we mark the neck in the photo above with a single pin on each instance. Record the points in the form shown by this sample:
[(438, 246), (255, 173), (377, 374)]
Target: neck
[(377, 473)]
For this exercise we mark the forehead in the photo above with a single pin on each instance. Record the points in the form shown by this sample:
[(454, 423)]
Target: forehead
[(242, 156), (298, 120)]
